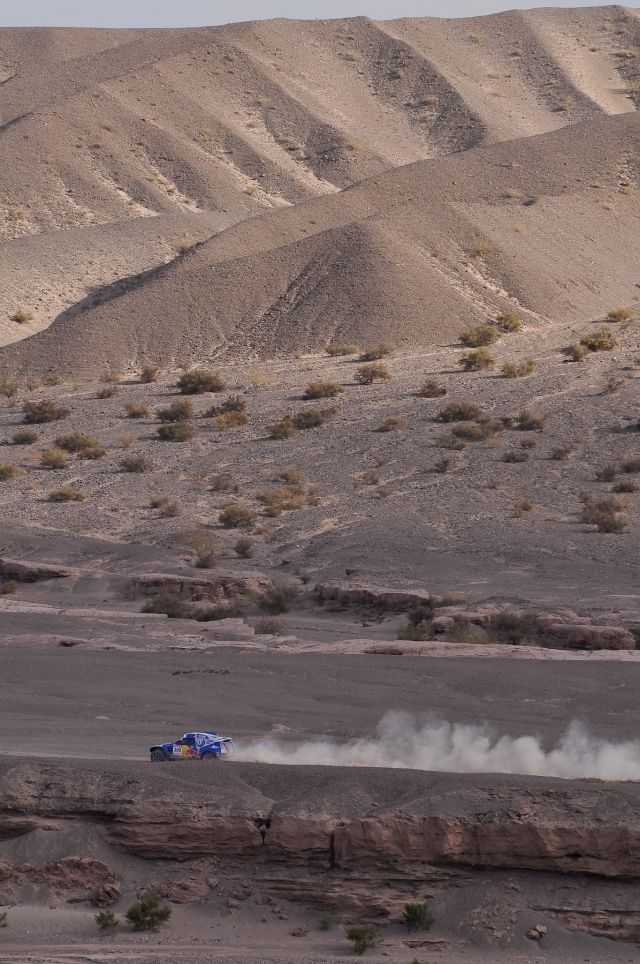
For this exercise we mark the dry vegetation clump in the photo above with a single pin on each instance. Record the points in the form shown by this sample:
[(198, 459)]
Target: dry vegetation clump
[(45, 410), (390, 424), (234, 516), (137, 464), (462, 412), (166, 507), (561, 453), (149, 374), (478, 360), (287, 498), (198, 381), (267, 626), (631, 466), (515, 456), (23, 316), (7, 587), (518, 369), (235, 403), (205, 545), (278, 599), (54, 458), (224, 482), (613, 386), (337, 349), (137, 410), (600, 340), (527, 422), (442, 466), (291, 475), (176, 431), (180, 410), (229, 420), (624, 487), (451, 442), (374, 372), (508, 322), (66, 494), (84, 446), (243, 548), (522, 507), (323, 390), (25, 436), (107, 392), (617, 315), (607, 473), (604, 512), (431, 389), (577, 352), (480, 336), (111, 377), (283, 429), (9, 471), (375, 353), (8, 388), (476, 431), (313, 417)]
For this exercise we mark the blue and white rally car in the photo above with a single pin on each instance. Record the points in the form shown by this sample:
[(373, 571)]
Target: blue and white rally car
[(193, 746)]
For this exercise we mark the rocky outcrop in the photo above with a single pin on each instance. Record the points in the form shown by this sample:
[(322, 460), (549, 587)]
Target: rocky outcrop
[(370, 597), (75, 879), (218, 585), (33, 571)]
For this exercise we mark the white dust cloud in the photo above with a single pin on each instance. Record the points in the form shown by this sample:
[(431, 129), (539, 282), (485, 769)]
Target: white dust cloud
[(402, 742)]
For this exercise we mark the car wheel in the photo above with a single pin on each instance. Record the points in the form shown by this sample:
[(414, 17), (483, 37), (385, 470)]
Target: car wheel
[(157, 756)]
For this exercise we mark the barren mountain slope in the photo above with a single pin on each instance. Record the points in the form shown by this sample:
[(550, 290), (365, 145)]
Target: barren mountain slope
[(100, 127), (546, 224)]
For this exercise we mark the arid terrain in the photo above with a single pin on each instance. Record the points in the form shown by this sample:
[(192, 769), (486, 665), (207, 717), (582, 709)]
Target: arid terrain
[(320, 425)]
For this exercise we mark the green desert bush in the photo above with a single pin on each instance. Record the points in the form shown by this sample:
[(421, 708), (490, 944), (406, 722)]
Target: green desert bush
[(335, 349), (374, 372), (148, 913), (42, 411), (176, 431), (24, 436), (375, 353), (364, 937), (480, 336), (326, 922), (9, 471), (518, 369), (431, 389), (54, 458), (106, 921), (323, 390), (234, 516), (416, 916), (66, 494), (478, 360), (197, 381)]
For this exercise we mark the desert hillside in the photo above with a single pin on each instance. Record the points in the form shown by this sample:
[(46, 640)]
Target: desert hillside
[(128, 146)]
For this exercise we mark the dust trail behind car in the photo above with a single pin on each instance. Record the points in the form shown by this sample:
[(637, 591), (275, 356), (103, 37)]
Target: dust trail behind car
[(401, 741)]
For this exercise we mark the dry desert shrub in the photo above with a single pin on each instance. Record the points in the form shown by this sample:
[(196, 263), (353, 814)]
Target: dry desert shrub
[(390, 424), (604, 512), (234, 516), (9, 471), (312, 417), (84, 446), (111, 377), (480, 336), (7, 587), (243, 548), (235, 403), (23, 316), (267, 626), (375, 353), (478, 360), (476, 431), (224, 482), (617, 315), (180, 410), (137, 410), (515, 457), (279, 599), (607, 473), (323, 390), (137, 464), (45, 410), (508, 322), (205, 545), (149, 374), (462, 412), (66, 494), (518, 369), (613, 386), (451, 442), (107, 392), (561, 453), (522, 507), (8, 388), (431, 389), (198, 381), (374, 372), (624, 487), (229, 420), (24, 437), (600, 340), (176, 431), (442, 466), (281, 430), (338, 349), (54, 458), (631, 466), (527, 422), (287, 498), (291, 475), (577, 351), (167, 508)]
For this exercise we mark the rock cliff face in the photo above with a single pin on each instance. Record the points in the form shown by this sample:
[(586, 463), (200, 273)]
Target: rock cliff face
[(360, 841)]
